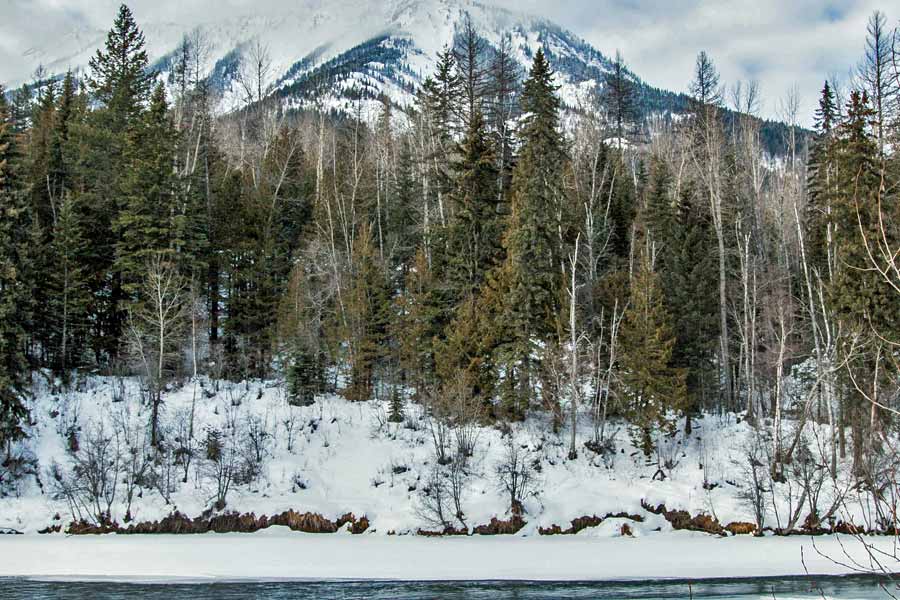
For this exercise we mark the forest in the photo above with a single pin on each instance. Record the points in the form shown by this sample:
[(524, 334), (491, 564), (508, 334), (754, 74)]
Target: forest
[(487, 255)]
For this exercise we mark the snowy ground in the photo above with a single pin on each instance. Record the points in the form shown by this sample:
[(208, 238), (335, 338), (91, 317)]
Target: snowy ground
[(281, 554), (346, 458)]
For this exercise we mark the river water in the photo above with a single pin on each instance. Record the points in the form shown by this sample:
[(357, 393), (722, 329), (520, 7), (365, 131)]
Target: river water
[(858, 588)]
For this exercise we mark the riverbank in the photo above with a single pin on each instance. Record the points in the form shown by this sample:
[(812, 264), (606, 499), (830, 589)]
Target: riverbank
[(279, 553)]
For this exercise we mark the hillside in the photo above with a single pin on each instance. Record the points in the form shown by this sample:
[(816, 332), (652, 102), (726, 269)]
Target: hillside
[(337, 457)]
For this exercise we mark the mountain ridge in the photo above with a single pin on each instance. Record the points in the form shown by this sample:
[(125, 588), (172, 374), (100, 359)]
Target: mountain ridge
[(336, 55)]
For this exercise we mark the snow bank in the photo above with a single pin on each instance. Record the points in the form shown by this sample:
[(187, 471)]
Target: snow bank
[(286, 555), (345, 458)]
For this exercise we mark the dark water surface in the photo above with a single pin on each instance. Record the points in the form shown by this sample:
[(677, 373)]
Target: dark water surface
[(860, 588)]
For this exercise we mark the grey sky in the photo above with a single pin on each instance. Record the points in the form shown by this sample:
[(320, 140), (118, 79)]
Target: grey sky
[(778, 42)]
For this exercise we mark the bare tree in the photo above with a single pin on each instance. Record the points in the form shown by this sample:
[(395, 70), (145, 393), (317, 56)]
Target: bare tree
[(874, 74), (154, 329), (516, 475), (91, 481)]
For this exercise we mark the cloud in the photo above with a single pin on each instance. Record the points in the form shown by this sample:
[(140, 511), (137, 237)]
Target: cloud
[(780, 44)]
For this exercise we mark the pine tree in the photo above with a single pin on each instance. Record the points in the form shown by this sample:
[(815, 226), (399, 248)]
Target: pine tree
[(861, 301), (13, 364), (652, 387), (68, 293), (474, 239), (120, 79), (531, 274), (368, 306), (146, 225), (821, 181), (619, 98), (418, 325)]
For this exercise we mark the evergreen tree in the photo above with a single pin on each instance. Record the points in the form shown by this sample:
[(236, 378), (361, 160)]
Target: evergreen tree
[(368, 313), (146, 225), (533, 245), (652, 387), (821, 181), (402, 217), (305, 376), (619, 98), (858, 293), (101, 166), (68, 294), (120, 79), (864, 305), (474, 239), (418, 325), (13, 296), (395, 406)]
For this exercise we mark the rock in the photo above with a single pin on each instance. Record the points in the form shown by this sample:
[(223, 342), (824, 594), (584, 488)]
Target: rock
[(740, 528), (498, 527)]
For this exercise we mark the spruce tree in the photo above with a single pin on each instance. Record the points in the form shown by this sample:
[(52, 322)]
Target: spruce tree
[(652, 387), (474, 239), (858, 292), (146, 225), (865, 306), (119, 82), (305, 376), (418, 325), (119, 78), (821, 182), (531, 274), (13, 296), (68, 293), (619, 98), (368, 314)]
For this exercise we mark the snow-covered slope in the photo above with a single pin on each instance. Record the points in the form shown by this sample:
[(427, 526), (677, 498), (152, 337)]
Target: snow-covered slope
[(338, 457)]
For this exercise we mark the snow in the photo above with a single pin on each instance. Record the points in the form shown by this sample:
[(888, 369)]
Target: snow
[(346, 458), (319, 31), (283, 554)]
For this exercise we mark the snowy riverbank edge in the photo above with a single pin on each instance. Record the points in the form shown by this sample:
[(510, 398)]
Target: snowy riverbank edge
[(280, 554)]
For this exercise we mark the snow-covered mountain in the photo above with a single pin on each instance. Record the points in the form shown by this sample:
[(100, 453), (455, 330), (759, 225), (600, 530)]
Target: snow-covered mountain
[(332, 54), (334, 51)]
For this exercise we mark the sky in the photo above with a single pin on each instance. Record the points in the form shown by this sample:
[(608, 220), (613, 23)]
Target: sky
[(779, 43)]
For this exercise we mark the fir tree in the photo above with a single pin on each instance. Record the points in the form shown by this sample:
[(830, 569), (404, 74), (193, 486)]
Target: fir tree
[(368, 306), (101, 167), (305, 376), (533, 245), (652, 387), (120, 78), (473, 241), (418, 325), (146, 226), (864, 305), (68, 293), (821, 181), (13, 296), (858, 293), (619, 97)]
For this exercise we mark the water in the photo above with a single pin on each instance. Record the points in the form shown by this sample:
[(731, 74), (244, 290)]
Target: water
[(857, 588)]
